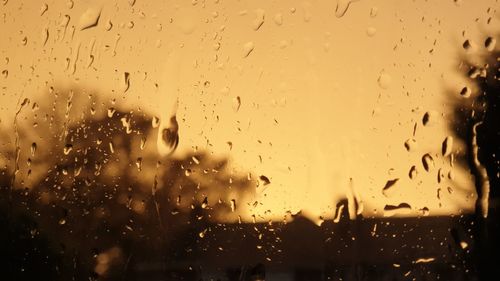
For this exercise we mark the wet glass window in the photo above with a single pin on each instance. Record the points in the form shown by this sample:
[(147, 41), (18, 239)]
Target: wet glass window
[(249, 140)]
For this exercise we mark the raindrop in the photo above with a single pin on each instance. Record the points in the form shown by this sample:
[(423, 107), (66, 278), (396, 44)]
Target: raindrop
[(388, 185), (390, 210), (413, 172), (62, 221), (429, 118), (465, 92), (490, 43), (236, 103), (155, 122), (168, 139), (370, 31), (111, 112), (143, 142), (70, 4), (248, 48), (259, 19), (233, 205), (424, 211), (265, 180), (384, 80), (44, 9), (427, 162), (125, 81), (67, 148), (278, 19), (45, 35), (108, 26), (195, 160), (33, 149), (342, 7), (447, 146), (126, 124), (204, 204), (203, 233), (90, 18), (138, 163), (338, 213), (467, 45), (410, 144), (373, 12)]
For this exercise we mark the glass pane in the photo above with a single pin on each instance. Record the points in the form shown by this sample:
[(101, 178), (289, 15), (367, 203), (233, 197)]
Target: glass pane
[(249, 140)]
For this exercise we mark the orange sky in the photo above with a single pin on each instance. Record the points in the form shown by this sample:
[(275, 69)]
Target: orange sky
[(324, 99)]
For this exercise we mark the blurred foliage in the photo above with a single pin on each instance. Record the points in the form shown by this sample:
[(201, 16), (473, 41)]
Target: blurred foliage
[(85, 194)]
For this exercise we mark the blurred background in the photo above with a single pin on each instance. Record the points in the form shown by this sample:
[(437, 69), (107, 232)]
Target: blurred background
[(249, 140)]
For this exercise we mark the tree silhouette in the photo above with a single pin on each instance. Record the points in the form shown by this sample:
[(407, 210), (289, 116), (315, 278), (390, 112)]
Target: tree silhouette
[(476, 122), (84, 194)]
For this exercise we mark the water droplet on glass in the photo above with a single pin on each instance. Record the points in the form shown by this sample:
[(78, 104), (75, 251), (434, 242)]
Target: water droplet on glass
[(155, 122), (233, 205), (278, 19), (203, 233), (90, 18), (424, 211), (265, 180), (138, 163), (44, 9), (168, 137), (195, 160), (373, 12), (33, 149), (62, 221), (342, 7), (465, 92), (384, 80), (338, 213), (126, 124), (391, 210), (490, 43), (126, 81), (428, 162), (467, 45), (447, 146), (143, 142), (429, 118), (70, 4), (204, 204), (111, 112), (389, 185), (411, 145), (259, 19), (370, 31), (236, 103), (412, 174), (108, 26), (45, 35), (67, 148), (248, 48)]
